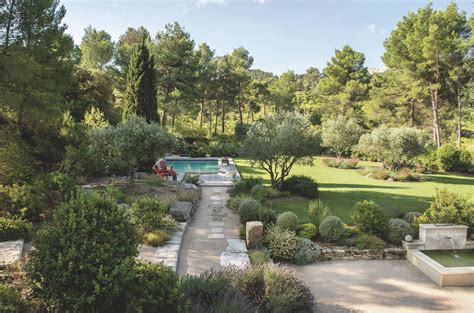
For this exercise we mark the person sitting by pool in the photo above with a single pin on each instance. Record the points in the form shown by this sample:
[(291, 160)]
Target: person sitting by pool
[(173, 174)]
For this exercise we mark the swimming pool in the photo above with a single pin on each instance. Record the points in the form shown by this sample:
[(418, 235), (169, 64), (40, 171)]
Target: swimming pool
[(194, 165)]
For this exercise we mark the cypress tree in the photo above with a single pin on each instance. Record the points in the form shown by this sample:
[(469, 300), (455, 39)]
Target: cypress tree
[(140, 92)]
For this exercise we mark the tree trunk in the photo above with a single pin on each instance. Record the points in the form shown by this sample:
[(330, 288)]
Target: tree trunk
[(412, 112), (436, 126), (173, 119), (459, 115), (164, 118), (223, 117), (200, 114), (217, 122), (9, 23)]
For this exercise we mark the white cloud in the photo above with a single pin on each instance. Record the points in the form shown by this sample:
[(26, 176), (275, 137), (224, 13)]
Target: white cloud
[(262, 1), (371, 27), (201, 3)]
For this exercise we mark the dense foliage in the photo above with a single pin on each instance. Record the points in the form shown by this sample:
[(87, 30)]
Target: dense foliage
[(280, 141), (288, 220), (283, 244), (332, 228), (340, 135), (14, 229), (369, 242), (85, 258), (370, 218), (302, 186), (449, 207), (398, 229)]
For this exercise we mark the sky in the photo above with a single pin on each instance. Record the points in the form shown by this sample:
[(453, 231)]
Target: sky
[(281, 35)]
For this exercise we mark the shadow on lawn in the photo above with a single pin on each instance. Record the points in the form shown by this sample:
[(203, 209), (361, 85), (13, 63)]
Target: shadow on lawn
[(358, 186), (458, 180)]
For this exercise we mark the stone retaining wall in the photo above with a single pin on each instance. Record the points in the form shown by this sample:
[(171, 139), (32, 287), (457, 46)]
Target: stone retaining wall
[(352, 254)]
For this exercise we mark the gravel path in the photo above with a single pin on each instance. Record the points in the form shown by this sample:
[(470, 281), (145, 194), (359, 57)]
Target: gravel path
[(206, 236), (380, 286)]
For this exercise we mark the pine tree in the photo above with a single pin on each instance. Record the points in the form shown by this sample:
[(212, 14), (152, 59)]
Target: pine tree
[(140, 92)]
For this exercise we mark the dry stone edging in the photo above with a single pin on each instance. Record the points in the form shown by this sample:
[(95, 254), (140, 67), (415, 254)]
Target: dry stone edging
[(167, 254), (353, 254), (10, 252)]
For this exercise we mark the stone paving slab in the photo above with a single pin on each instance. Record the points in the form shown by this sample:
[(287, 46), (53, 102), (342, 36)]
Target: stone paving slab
[(215, 236), (236, 246), (217, 230), (234, 259), (10, 252), (169, 253), (216, 224)]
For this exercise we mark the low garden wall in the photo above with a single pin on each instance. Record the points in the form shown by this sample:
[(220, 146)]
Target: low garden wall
[(353, 254)]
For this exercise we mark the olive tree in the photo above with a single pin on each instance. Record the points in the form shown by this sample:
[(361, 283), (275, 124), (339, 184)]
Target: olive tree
[(131, 143), (341, 134), (396, 147), (280, 141)]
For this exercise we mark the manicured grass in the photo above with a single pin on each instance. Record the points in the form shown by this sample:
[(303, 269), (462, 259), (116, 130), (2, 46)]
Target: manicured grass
[(341, 189)]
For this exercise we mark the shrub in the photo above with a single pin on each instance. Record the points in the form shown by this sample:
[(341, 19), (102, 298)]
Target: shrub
[(37, 199), (449, 207), (11, 301), (147, 214), (154, 289), (267, 216), (262, 288), (259, 256), (288, 220), (214, 291), (275, 289), (369, 242), (156, 238), (84, 260), (451, 158), (318, 211), (234, 202), (410, 217), (398, 229), (395, 147), (240, 130), (14, 229), (155, 180), (248, 211), (332, 228), (302, 186), (342, 164), (405, 175), (284, 292), (341, 134), (308, 230), (370, 218), (192, 179), (378, 173), (308, 252), (282, 244), (245, 185), (223, 148)]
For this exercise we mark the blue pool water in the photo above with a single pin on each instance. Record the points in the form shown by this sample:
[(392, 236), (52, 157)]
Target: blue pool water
[(193, 166)]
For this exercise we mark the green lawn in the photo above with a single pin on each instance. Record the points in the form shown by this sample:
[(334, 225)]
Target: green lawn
[(341, 189)]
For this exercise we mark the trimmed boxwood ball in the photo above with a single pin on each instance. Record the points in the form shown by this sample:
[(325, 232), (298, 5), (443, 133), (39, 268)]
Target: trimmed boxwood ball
[(308, 230), (398, 229), (249, 211), (332, 228), (288, 220), (308, 253), (234, 202), (411, 216)]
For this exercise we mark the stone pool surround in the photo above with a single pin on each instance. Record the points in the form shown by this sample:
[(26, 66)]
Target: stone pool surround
[(434, 237)]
